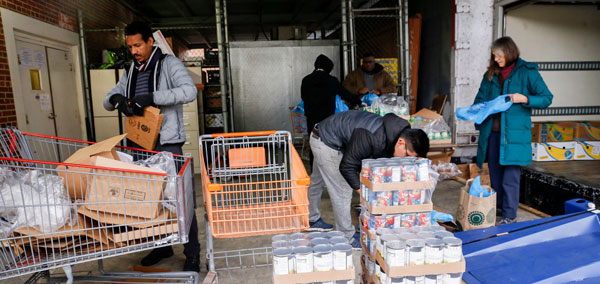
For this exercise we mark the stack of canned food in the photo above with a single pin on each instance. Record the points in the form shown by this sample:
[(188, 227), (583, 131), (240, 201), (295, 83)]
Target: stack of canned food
[(415, 246), (314, 252), (392, 221)]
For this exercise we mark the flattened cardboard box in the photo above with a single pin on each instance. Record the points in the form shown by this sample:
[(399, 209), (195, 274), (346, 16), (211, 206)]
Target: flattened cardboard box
[(418, 270), (427, 207), (118, 219), (321, 276), (123, 192), (76, 178), (392, 186), (144, 130)]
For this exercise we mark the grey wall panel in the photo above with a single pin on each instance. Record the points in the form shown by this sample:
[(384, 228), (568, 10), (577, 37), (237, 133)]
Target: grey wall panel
[(266, 79)]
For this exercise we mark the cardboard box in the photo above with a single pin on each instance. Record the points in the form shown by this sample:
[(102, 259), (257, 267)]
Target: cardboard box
[(118, 219), (322, 276), (150, 233), (587, 150), (427, 207), (588, 131), (76, 178), (144, 130), (125, 189), (563, 131), (556, 151), (418, 270), (440, 157), (475, 171), (392, 186)]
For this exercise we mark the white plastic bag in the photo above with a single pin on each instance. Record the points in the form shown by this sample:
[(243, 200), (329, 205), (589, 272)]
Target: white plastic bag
[(164, 161)]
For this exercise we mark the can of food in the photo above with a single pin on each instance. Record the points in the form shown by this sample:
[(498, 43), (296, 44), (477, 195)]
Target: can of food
[(382, 241), (404, 197), (319, 241), (395, 253), (334, 234), (303, 259), (364, 192), (300, 243), (453, 249), (384, 199), (408, 220), (379, 222), (396, 280), (422, 170), (416, 251), (415, 230), (378, 172), (414, 279), (400, 230), (415, 196), (395, 171), (297, 236), (315, 235), (407, 236), (342, 257), (389, 221), (338, 240), (423, 219), (280, 237), (426, 229), (283, 261), (434, 279), (366, 167), (397, 221), (452, 278), (434, 251), (323, 258), (280, 244), (409, 171), (425, 235), (437, 228), (443, 234)]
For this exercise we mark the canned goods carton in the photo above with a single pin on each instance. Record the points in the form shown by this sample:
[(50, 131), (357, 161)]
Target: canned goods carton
[(423, 219), (408, 220)]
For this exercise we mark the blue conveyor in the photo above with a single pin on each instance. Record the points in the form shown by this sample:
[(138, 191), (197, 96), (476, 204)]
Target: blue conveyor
[(560, 249)]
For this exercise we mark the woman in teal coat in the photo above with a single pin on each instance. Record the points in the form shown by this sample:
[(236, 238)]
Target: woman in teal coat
[(505, 138)]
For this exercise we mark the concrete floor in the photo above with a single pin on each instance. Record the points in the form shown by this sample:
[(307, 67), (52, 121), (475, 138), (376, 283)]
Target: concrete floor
[(445, 199)]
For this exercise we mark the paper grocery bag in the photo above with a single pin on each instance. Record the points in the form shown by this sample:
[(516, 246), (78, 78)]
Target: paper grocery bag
[(475, 212), (144, 130)]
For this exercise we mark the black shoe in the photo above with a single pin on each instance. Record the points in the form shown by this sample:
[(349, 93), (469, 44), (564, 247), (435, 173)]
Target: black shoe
[(157, 255), (192, 264)]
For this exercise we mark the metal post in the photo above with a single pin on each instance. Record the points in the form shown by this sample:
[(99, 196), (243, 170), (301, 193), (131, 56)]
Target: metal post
[(221, 66), (229, 82), (406, 49), (351, 34), (344, 40), (87, 100), (401, 53)]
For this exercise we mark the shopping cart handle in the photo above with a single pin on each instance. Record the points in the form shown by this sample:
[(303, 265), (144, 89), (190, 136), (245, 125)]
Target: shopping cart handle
[(242, 134), (214, 187), (304, 181)]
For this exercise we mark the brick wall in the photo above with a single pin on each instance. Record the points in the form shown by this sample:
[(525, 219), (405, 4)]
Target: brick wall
[(96, 14)]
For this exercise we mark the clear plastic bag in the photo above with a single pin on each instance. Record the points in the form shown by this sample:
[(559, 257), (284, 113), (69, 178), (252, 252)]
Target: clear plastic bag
[(32, 199), (390, 103), (446, 170), (435, 128), (164, 161)]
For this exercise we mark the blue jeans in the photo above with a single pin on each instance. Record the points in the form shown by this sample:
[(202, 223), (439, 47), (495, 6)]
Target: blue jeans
[(506, 180)]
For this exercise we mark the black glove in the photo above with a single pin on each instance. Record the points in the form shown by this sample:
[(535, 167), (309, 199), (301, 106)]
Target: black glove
[(120, 102), (139, 102)]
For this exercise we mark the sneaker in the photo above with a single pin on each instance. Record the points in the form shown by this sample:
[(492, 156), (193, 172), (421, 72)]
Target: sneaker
[(192, 264), (157, 255), (319, 226), (355, 242), (506, 221)]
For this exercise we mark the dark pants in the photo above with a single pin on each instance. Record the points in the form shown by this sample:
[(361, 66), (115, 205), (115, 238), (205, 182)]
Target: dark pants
[(192, 248), (505, 179)]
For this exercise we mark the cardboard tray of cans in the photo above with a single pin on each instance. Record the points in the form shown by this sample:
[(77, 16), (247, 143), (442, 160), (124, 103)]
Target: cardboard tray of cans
[(393, 186), (321, 276), (419, 270), (427, 207)]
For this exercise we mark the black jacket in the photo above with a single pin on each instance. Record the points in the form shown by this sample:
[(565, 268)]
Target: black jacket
[(361, 135), (318, 92)]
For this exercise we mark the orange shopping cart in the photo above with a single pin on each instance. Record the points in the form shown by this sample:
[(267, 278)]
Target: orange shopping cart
[(254, 183)]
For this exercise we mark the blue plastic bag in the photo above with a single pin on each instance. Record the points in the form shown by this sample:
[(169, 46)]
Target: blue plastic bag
[(368, 98), (340, 105), (299, 107), (439, 216), (479, 112), (477, 190)]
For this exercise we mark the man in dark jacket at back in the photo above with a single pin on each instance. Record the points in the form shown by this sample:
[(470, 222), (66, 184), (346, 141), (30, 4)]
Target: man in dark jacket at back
[(340, 143), (318, 92)]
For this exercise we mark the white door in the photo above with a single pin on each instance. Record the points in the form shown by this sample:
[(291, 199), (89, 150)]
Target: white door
[(35, 88), (64, 96)]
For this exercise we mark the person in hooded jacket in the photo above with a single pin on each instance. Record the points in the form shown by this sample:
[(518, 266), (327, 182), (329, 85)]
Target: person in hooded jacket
[(505, 138), (318, 91), (370, 78), (340, 143)]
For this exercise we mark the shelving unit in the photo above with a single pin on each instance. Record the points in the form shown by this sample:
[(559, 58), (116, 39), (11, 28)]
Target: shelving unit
[(212, 105)]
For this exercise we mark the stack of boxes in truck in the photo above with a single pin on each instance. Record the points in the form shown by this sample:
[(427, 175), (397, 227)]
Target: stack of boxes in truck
[(565, 141), (400, 243)]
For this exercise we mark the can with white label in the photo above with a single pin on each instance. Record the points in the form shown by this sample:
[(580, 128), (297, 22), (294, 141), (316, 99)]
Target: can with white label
[(342, 257), (323, 258), (283, 261), (303, 259)]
